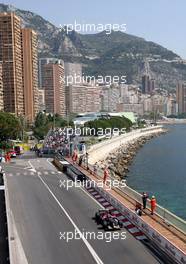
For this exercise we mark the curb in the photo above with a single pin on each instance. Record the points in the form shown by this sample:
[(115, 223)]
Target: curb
[(133, 230)]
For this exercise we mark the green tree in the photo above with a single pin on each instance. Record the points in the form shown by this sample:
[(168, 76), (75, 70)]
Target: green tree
[(41, 119), (113, 122), (42, 125), (10, 127), (44, 122)]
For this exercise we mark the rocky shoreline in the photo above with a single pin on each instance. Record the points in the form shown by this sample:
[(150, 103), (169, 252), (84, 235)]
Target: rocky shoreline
[(118, 162)]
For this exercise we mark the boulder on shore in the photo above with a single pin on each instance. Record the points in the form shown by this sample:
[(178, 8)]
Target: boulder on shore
[(119, 161)]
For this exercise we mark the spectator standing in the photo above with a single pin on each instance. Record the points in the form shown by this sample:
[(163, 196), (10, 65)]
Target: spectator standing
[(75, 156), (138, 209), (95, 168), (153, 204), (106, 174), (80, 160), (144, 199)]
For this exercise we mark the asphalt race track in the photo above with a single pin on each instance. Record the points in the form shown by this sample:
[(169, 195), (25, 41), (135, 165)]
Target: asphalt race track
[(44, 212)]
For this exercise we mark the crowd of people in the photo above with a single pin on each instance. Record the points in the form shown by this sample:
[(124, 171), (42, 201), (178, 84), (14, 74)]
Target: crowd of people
[(56, 139)]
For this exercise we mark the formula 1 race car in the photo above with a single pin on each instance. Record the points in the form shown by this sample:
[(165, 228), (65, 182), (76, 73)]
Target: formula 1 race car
[(108, 220)]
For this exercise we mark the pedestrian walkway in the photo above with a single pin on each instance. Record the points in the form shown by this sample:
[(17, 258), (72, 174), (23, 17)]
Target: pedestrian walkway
[(169, 232)]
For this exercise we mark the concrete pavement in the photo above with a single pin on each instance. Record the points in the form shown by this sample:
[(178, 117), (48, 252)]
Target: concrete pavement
[(101, 150)]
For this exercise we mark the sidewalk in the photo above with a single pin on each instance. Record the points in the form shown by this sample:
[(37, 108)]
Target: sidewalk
[(101, 150), (169, 232)]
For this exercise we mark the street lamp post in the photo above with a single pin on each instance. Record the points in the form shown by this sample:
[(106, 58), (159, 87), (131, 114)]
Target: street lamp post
[(54, 121), (23, 130)]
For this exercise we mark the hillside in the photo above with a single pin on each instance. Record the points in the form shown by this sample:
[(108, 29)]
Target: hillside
[(101, 54)]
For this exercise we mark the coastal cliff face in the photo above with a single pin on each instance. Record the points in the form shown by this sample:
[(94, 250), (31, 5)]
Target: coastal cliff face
[(118, 161)]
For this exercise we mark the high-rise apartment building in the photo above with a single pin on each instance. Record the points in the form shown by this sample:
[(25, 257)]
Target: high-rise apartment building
[(11, 57), (136, 108), (171, 107), (54, 87), (145, 84), (82, 99), (148, 84), (181, 97), (73, 73), (1, 88), (30, 73), (41, 100), (18, 54), (109, 98), (42, 62), (151, 85)]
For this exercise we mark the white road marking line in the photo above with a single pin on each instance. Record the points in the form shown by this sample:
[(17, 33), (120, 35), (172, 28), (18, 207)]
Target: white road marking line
[(97, 196), (115, 212), (18, 173), (94, 254), (134, 230), (90, 248), (10, 174), (94, 193), (49, 162), (142, 237), (105, 203), (90, 190), (110, 208), (101, 199), (126, 223), (46, 172), (33, 169)]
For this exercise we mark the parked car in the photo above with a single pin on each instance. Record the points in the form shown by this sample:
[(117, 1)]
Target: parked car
[(12, 153)]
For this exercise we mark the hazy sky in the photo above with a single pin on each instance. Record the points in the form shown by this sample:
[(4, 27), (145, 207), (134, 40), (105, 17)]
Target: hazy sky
[(161, 21)]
